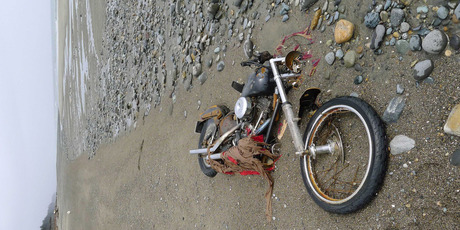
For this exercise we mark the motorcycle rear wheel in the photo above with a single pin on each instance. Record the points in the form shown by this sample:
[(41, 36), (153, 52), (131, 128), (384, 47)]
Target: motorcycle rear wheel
[(345, 181), (206, 131)]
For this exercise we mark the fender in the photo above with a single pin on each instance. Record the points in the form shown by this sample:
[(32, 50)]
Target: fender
[(216, 112), (308, 100)]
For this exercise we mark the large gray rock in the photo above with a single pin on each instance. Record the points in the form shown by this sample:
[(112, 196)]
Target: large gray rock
[(435, 42), (394, 110), (396, 17), (423, 69), (401, 144), (377, 37)]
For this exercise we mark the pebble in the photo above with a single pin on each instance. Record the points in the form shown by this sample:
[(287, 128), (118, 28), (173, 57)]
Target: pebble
[(396, 17), (387, 5), (394, 110), (377, 37), (267, 18), (202, 78), (241, 37), (415, 43), (401, 144), (435, 42), (220, 66), (455, 158), (402, 46), (452, 125), (404, 27), (392, 41), (209, 63), (330, 58), (422, 9), (248, 48), (343, 31), (285, 18), (284, 9), (196, 70), (389, 31), (442, 12), (307, 4), (350, 58), (371, 20), (354, 94), (358, 80), (423, 69), (384, 16), (399, 89), (339, 54), (457, 11), (217, 50), (455, 42)]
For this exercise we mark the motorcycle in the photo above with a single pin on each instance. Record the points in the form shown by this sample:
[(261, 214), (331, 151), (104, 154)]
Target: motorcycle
[(343, 152)]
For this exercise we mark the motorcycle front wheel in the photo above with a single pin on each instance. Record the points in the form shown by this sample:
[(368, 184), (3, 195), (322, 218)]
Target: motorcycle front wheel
[(209, 129), (345, 177)]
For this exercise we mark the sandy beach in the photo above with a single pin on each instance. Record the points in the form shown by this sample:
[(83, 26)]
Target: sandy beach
[(129, 101)]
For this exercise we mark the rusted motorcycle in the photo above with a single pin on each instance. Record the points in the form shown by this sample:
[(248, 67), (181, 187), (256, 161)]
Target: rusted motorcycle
[(343, 151)]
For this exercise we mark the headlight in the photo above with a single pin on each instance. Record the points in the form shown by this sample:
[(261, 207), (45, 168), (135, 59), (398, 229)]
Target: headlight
[(243, 107)]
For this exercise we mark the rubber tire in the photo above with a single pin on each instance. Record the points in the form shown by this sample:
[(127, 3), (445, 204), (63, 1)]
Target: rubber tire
[(208, 171), (379, 157)]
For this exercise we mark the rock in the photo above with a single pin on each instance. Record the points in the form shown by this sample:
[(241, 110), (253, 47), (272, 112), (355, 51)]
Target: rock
[(217, 50), (402, 46), (387, 5), (350, 58), (339, 54), (209, 63), (306, 4), (435, 42), (377, 37), (196, 70), (343, 31), (389, 31), (455, 158), (415, 43), (396, 17), (404, 27), (455, 42), (220, 66), (330, 58), (399, 89), (371, 20), (284, 9), (442, 12), (394, 110), (384, 16), (241, 37), (392, 41), (457, 11), (401, 144), (285, 18), (358, 80), (423, 69), (422, 9), (238, 3), (248, 48), (202, 78), (267, 18), (212, 9), (452, 125), (354, 94)]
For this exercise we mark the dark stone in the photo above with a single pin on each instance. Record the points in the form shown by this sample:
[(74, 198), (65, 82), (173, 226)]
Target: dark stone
[(455, 158), (307, 4), (394, 110), (371, 20), (415, 43), (455, 42), (358, 80), (423, 69)]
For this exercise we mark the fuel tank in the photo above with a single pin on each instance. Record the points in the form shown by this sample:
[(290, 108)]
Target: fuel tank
[(260, 83)]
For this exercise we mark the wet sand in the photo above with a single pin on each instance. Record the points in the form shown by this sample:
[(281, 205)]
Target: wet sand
[(145, 179)]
